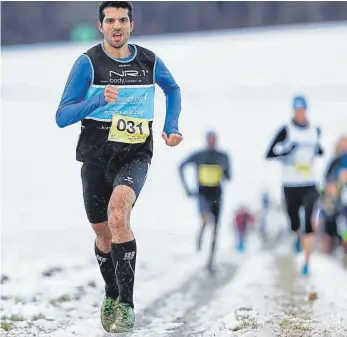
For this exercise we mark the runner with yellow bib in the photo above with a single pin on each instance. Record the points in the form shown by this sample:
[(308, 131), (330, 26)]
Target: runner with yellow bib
[(212, 167), (296, 145)]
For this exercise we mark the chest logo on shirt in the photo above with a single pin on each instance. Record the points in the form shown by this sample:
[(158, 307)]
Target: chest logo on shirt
[(127, 76), (124, 73)]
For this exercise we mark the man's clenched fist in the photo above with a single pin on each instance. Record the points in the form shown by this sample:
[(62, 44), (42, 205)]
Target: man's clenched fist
[(172, 140), (111, 93)]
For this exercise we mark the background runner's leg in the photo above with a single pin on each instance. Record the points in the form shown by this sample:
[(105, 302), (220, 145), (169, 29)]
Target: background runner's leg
[(308, 239), (293, 202), (215, 213), (202, 231), (204, 209)]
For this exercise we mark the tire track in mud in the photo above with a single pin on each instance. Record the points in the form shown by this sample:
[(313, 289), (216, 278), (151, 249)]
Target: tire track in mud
[(174, 315)]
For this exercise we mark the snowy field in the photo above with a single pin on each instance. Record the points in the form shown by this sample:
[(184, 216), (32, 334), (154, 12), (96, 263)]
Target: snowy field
[(239, 84)]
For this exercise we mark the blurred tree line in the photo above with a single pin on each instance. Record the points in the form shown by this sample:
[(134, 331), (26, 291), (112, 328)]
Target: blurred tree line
[(48, 21)]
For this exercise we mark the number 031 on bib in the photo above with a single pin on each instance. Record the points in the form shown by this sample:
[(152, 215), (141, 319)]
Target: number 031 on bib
[(128, 130)]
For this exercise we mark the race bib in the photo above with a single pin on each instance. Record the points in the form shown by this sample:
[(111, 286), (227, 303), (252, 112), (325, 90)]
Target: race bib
[(128, 130), (304, 169), (303, 159), (210, 175)]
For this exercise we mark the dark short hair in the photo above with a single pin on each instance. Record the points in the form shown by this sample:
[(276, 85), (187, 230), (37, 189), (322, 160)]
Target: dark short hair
[(115, 4)]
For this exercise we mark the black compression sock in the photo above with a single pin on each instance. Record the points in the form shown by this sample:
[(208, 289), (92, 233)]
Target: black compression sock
[(107, 272), (124, 259)]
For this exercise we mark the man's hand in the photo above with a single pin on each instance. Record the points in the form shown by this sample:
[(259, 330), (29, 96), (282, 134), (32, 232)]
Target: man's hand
[(111, 93), (191, 194), (173, 140)]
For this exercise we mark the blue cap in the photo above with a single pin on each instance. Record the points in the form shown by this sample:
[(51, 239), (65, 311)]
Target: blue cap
[(299, 102), (210, 133)]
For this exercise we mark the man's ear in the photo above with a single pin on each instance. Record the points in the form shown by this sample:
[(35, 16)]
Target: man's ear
[(132, 25), (100, 27)]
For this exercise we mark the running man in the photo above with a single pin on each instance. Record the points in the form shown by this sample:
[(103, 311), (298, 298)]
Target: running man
[(212, 167), (342, 211), (111, 91), (296, 145), (325, 215), (337, 177), (330, 214)]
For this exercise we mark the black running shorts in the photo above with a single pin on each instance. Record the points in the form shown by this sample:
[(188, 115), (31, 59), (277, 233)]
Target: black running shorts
[(330, 227), (208, 205), (98, 184), (297, 197)]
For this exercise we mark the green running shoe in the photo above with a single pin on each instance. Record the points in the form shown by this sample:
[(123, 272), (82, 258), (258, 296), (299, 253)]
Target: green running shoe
[(108, 312), (125, 318)]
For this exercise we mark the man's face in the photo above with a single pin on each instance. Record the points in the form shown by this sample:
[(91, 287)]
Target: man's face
[(331, 189), (300, 116), (211, 141), (342, 146), (343, 176), (116, 26)]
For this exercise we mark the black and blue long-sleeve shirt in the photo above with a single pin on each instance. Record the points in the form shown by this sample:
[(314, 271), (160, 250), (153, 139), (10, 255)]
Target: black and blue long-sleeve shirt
[(123, 128), (212, 167)]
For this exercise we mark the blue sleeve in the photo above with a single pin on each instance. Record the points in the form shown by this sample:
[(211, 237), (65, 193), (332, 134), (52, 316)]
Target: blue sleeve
[(331, 167), (73, 107), (193, 159), (167, 83), (227, 169), (342, 165)]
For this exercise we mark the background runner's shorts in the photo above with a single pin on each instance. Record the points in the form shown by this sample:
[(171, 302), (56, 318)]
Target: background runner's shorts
[(98, 184), (209, 205), (330, 227)]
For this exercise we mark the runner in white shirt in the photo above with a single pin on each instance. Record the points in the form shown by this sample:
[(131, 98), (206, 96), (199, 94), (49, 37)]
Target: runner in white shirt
[(296, 145)]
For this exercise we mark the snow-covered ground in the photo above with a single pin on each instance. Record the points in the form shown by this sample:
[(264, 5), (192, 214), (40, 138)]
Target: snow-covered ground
[(239, 84)]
